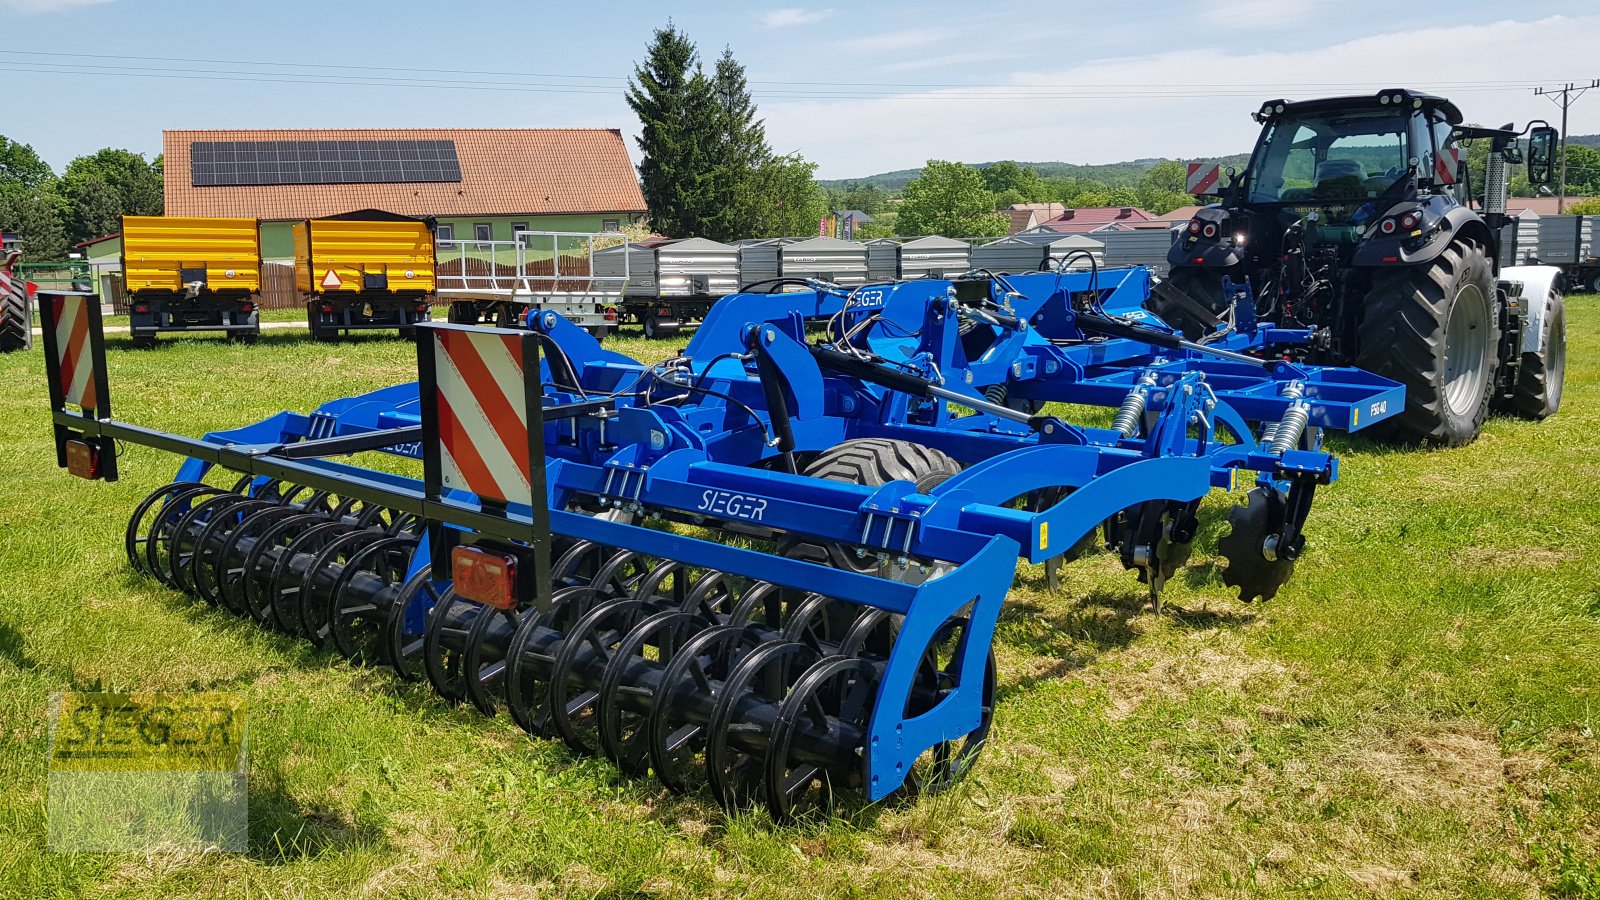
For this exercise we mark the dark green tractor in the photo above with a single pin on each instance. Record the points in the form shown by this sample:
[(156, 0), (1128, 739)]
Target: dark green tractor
[(1354, 219)]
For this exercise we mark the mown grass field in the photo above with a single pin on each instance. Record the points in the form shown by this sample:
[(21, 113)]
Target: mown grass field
[(1415, 714)]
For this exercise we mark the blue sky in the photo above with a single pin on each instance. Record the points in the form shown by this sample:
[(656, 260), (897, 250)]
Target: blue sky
[(858, 88)]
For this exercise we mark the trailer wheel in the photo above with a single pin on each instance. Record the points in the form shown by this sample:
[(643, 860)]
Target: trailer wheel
[(1539, 380), (872, 462), (144, 342), (248, 338), (1436, 329), (600, 332), (462, 312), (652, 328)]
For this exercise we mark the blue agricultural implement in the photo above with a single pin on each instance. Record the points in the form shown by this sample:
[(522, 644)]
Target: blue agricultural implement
[(772, 565)]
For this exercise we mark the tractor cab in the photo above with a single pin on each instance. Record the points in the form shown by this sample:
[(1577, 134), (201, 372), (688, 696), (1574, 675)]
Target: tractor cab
[(1337, 171)]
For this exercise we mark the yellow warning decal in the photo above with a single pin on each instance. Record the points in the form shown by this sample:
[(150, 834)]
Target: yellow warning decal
[(1044, 535)]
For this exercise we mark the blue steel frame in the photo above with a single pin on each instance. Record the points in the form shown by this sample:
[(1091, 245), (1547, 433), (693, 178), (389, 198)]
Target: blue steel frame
[(697, 440)]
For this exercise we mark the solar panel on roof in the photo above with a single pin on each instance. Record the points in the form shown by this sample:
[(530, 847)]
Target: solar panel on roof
[(233, 163)]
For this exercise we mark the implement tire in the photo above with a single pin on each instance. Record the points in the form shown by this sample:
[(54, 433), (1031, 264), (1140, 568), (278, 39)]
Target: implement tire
[(1436, 330), (873, 462), (1539, 380)]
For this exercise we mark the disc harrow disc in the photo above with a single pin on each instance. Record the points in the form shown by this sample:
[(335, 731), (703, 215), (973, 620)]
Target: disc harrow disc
[(630, 681), (403, 649), (531, 655), (315, 595), (207, 572), (366, 589), (690, 686), (164, 529), (820, 726), (741, 724), (261, 564), (1246, 566), (234, 567), (187, 539), (137, 537)]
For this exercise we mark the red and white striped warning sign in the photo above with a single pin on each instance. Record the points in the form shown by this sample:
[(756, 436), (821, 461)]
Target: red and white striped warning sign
[(1203, 178), (483, 414), (70, 321), (1446, 165)]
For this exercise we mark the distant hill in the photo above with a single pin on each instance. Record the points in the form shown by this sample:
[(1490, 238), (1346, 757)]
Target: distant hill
[(1120, 173)]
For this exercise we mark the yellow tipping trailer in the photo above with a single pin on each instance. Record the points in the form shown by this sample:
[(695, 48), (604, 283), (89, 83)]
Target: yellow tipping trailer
[(364, 270), (191, 274)]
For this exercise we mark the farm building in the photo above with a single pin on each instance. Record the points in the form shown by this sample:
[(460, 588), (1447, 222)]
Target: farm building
[(479, 183)]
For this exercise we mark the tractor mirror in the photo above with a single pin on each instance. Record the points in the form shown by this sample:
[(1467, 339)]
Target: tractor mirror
[(1541, 155)]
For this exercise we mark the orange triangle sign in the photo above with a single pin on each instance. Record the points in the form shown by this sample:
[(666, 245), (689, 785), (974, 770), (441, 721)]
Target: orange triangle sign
[(331, 280)]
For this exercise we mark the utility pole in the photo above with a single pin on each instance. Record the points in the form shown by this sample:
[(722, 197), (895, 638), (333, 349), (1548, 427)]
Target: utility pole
[(1569, 94)]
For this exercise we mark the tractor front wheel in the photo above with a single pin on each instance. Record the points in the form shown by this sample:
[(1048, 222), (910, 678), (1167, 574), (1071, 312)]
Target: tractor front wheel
[(1538, 391), (1435, 329)]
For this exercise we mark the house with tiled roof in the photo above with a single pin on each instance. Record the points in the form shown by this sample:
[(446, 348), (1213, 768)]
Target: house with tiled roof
[(477, 183), (1088, 219)]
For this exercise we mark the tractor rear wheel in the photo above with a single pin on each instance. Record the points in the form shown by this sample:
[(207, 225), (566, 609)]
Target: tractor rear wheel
[(1435, 329), (872, 462), (1538, 391), (1204, 286)]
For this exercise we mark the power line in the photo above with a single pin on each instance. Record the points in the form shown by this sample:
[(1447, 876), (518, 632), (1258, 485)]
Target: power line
[(1121, 90), (1569, 95)]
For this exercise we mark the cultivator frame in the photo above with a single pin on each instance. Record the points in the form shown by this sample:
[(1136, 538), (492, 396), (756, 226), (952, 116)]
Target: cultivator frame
[(563, 485)]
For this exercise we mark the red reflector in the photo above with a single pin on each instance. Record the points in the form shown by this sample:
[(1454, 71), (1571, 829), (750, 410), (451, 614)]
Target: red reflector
[(1199, 260), (1391, 259), (484, 577), (141, 308), (611, 314), (327, 307), (422, 307), (83, 460), (248, 308)]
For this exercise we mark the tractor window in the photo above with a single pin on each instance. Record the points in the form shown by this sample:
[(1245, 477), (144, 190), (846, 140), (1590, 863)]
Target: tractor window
[(1329, 158)]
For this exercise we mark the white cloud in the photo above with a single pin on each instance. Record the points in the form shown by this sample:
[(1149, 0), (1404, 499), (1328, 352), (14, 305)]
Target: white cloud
[(48, 6), (1108, 110), (1254, 14), (948, 59), (791, 16), (897, 40)]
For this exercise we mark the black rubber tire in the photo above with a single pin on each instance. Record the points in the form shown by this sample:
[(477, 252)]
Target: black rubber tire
[(14, 324), (873, 462), (599, 332), (144, 342), (1205, 286), (1402, 336), (462, 312), (651, 327), (1539, 381)]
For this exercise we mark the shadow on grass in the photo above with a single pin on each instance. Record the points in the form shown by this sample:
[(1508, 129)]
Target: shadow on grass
[(284, 830)]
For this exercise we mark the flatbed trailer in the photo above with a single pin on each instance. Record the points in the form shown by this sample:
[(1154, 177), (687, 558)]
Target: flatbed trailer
[(499, 282), (364, 271), (187, 274)]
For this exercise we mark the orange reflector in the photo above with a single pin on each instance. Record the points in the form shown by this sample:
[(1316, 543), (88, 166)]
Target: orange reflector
[(83, 460), (484, 577)]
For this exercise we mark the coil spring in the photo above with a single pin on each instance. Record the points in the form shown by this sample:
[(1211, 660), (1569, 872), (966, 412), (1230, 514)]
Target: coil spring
[(1287, 435), (1132, 409)]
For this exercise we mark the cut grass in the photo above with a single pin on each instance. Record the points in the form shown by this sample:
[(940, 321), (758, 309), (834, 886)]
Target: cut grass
[(1414, 714)]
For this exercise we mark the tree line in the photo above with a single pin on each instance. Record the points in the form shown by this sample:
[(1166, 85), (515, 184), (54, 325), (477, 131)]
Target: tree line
[(87, 200), (707, 169)]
